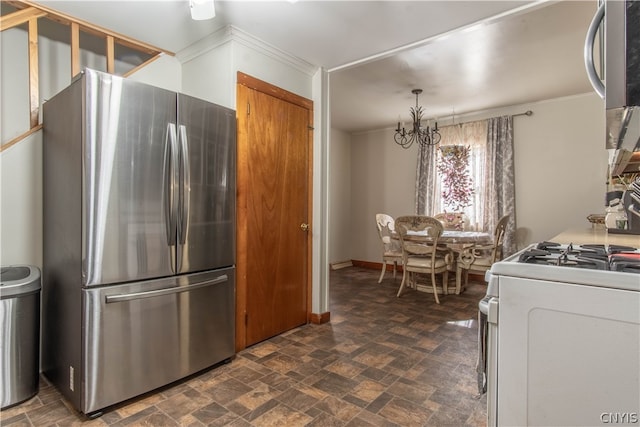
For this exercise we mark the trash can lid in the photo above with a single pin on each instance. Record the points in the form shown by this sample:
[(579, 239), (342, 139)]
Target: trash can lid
[(17, 280)]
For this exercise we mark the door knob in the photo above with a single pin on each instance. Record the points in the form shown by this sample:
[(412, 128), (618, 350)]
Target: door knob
[(304, 227)]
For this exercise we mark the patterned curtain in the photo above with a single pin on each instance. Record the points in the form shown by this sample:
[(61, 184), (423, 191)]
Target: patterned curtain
[(426, 180), (500, 182), (473, 134), (492, 142)]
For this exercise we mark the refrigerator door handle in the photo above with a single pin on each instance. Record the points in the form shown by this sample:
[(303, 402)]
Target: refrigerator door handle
[(185, 199), (171, 179), (167, 291)]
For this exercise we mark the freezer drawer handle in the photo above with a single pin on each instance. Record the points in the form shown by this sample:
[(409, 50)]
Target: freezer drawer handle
[(174, 290)]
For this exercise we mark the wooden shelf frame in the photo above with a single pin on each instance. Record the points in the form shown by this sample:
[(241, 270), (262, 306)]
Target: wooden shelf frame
[(28, 13)]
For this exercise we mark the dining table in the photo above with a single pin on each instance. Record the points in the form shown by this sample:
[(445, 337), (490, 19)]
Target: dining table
[(459, 241)]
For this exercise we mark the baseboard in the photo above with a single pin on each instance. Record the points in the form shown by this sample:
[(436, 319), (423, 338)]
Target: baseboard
[(319, 319), (341, 264), (370, 265)]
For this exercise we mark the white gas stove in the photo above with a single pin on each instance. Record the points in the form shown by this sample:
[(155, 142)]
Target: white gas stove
[(560, 336), (611, 266)]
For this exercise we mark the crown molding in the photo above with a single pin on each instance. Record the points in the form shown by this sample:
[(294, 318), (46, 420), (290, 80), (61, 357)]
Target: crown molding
[(233, 34)]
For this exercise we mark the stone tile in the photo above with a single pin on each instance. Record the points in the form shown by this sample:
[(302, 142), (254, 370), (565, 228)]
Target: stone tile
[(368, 419), (181, 405), (211, 412), (382, 361), (263, 349), (245, 374), (368, 390), (405, 413), (18, 420), (297, 399), (325, 420), (282, 415), (410, 392), (372, 359), (261, 410), (379, 402), (374, 373), (138, 418), (228, 391), (335, 384), (259, 394), (42, 416), (338, 408), (282, 363), (345, 368)]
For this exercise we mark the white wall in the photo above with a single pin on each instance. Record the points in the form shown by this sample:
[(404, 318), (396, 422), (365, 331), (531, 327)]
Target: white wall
[(164, 72), (210, 76), (340, 196), (21, 203), (560, 167), (382, 181), (210, 67)]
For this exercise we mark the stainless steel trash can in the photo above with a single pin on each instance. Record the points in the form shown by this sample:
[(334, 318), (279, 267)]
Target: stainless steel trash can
[(19, 333)]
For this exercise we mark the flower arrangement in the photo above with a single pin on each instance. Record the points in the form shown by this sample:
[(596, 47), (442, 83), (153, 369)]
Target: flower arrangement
[(457, 185)]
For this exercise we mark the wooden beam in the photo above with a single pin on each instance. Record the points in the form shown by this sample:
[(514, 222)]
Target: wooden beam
[(91, 28), (20, 17), (111, 61), (19, 138), (34, 94), (133, 70), (75, 49), (28, 12)]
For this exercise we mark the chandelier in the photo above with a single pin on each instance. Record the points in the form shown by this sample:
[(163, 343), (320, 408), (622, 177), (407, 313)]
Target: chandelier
[(424, 136)]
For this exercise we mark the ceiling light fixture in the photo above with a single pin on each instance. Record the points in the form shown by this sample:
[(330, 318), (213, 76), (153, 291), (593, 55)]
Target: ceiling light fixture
[(202, 9), (424, 136)]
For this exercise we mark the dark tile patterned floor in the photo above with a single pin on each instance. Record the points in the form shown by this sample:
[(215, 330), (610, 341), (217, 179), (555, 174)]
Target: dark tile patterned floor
[(381, 361)]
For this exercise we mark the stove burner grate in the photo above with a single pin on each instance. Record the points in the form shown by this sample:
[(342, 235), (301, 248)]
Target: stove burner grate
[(598, 257)]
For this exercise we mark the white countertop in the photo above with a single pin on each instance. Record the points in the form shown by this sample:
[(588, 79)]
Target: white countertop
[(581, 236)]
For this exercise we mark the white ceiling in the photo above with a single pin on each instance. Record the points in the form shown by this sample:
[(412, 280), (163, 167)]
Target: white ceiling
[(522, 51), (521, 58)]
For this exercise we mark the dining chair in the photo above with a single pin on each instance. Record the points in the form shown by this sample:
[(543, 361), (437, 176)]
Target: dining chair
[(451, 221), (422, 255), (479, 258), (391, 250)]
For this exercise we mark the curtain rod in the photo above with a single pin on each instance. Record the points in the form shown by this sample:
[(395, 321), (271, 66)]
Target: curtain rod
[(526, 113)]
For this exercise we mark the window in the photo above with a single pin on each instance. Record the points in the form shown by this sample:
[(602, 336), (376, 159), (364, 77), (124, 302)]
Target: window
[(473, 135)]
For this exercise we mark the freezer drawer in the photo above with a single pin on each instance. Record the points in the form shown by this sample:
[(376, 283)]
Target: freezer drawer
[(144, 335)]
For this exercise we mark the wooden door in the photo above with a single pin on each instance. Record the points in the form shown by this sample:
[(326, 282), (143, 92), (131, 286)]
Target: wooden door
[(274, 211)]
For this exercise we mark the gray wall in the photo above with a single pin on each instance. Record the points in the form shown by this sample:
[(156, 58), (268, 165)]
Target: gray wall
[(340, 196)]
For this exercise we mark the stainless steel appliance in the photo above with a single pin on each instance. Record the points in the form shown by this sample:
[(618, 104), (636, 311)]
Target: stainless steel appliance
[(621, 90), (139, 238), (560, 334), (19, 334)]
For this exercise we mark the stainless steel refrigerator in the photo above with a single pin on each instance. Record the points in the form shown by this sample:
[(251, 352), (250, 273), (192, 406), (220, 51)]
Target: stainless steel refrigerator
[(139, 238)]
